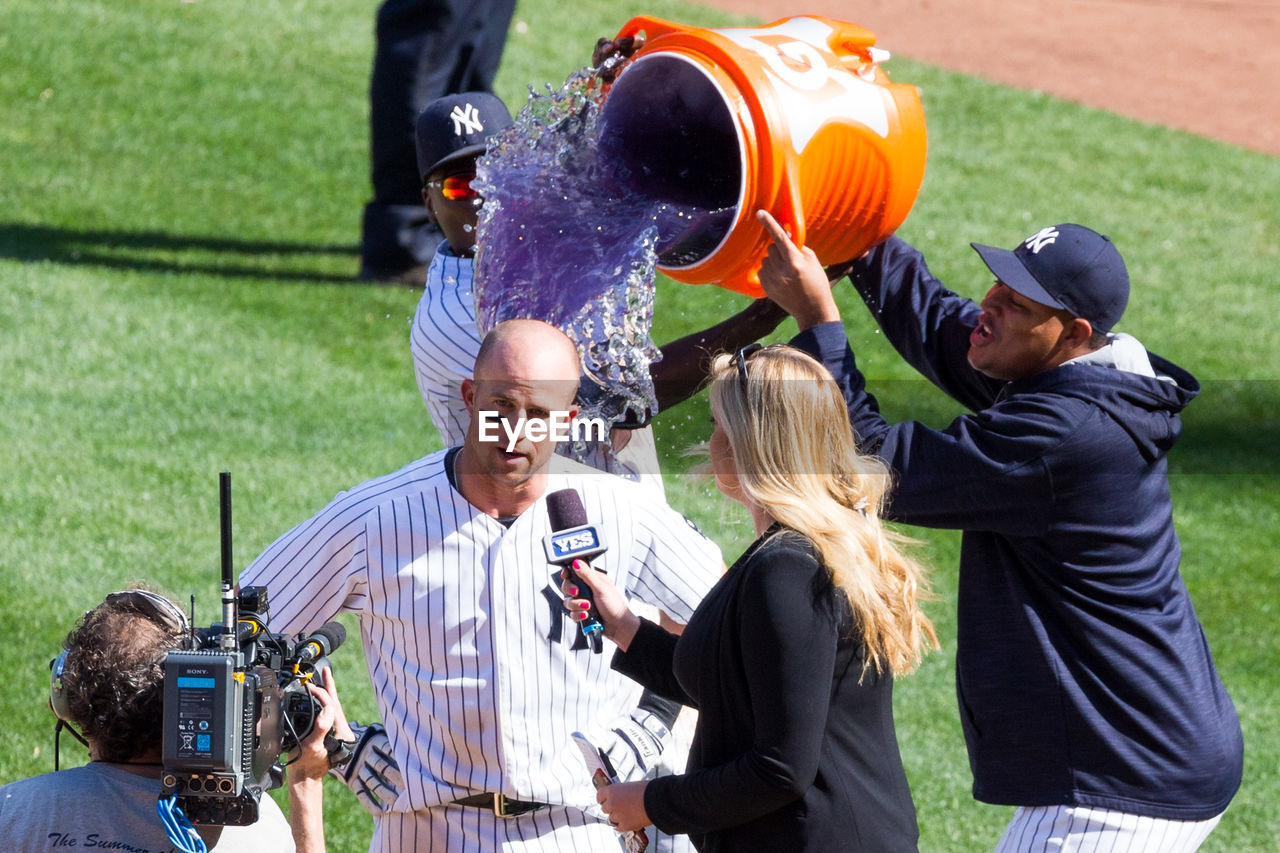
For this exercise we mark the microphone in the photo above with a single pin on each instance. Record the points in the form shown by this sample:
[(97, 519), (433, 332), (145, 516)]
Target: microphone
[(320, 643), (572, 538)]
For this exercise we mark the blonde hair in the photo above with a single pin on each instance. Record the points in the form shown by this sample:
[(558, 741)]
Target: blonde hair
[(795, 455)]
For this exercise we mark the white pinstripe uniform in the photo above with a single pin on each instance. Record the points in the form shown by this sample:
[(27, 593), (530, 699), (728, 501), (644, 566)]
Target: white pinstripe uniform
[(480, 677), (1079, 829), (445, 341)]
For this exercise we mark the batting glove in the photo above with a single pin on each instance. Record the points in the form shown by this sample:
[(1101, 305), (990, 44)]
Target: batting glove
[(371, 771), (634, 745)]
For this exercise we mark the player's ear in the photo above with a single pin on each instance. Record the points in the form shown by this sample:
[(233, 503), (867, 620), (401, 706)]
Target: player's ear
[(1076, 332), (468, 389), (426, 199)]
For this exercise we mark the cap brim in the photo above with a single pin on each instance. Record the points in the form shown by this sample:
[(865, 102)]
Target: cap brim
[(1008, 269), (454, 156)]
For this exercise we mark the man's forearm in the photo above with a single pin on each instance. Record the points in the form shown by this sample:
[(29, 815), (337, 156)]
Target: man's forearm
[(687, 361), (306, 814)]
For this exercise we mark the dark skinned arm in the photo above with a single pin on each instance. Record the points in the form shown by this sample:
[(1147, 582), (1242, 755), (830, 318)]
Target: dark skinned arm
[(686, 361)]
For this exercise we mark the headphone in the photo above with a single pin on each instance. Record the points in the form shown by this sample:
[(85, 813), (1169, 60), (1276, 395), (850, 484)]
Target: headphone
[(155, 607)]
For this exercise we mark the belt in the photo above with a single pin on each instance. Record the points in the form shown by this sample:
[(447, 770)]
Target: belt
[(501, 805)]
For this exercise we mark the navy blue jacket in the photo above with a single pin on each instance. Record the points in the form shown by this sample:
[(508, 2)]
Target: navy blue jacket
[(1082, 671)]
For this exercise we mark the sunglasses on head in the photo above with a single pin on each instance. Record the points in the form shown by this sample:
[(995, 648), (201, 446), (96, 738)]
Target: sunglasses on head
[(456, 187), (740, 359)]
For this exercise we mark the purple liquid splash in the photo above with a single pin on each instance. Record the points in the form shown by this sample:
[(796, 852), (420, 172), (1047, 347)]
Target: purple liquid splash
[(571, 232)]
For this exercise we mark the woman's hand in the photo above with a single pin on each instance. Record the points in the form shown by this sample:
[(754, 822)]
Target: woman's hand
[(620, 624), (624, 804)]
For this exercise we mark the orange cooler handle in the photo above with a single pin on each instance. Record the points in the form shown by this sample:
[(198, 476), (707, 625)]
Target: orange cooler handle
[(848, 38), (652, 26)]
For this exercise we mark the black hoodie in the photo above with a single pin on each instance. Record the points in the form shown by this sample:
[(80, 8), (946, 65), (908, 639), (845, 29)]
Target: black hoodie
[(1083, 674)]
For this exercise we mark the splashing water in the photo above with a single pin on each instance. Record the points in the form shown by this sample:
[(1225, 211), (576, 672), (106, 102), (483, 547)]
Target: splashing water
[(571, 232), (559, 243)]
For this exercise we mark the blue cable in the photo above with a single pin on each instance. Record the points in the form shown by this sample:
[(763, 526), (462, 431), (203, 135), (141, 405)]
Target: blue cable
[(178, 827)]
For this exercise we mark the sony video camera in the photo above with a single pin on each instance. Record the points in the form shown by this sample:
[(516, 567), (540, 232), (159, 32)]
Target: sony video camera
[(235, 701)]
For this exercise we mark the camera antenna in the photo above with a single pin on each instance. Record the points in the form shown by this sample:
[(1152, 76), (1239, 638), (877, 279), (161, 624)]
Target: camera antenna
[(229, 642)]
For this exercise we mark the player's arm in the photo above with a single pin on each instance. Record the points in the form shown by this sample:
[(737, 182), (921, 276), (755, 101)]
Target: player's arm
[(686, 362), (670, 625), (925, 322), (317, 569)]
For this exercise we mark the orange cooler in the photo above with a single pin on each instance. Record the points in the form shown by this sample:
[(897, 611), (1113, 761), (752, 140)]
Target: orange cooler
[(796, 118)]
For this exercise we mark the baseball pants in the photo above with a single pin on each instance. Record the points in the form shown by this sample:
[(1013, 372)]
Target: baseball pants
[(1076, 829)]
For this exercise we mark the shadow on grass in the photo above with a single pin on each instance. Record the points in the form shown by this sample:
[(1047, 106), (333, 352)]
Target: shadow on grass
[(1233, 427), (157, 251)]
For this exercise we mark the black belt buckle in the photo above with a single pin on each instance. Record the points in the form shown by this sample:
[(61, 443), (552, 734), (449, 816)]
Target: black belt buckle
[(500, 805)]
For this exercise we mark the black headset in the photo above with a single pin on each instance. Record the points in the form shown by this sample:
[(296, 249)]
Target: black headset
[(155, 607)]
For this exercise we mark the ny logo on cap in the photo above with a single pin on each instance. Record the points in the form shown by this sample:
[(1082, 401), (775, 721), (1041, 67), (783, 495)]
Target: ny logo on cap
[(1040, 239), (466, 120)]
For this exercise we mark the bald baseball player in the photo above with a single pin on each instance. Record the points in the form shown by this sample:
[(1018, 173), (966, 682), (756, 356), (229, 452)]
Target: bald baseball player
[(479, 678), (444, 338)]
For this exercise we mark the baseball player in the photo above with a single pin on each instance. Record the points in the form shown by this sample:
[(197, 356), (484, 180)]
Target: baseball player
[(478, 677), (451, 135)]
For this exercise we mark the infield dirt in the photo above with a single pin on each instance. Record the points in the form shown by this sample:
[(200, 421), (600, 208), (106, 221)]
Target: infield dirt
[(1211, 67)]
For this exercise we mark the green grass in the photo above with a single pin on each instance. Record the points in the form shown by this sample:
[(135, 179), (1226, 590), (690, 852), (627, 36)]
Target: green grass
[(180, 191)]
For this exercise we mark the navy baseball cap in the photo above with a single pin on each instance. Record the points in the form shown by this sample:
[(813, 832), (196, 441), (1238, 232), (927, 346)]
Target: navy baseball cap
[(458, 126), (1066, 266)]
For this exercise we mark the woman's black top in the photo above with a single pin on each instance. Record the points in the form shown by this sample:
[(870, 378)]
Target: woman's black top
[(792, 751)]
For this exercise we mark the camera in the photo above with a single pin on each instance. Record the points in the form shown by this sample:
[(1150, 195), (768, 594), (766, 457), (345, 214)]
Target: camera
[(229, 714), (235, 700)]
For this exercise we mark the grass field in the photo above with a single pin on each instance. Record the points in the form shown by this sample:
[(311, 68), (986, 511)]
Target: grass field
[(180, 191)]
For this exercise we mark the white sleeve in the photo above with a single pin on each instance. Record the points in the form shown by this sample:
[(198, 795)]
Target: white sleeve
[(674, 564), (444, 342), (316, 569)]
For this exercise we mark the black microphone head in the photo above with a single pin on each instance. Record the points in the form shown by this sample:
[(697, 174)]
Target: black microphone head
[(321, 642), (565, 509), (333, 634)]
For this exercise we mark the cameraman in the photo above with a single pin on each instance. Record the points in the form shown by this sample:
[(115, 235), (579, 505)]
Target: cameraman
[(112, 689)]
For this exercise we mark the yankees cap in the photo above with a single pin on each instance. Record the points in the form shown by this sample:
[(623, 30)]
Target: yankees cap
[(1066, 266), (458, 126)]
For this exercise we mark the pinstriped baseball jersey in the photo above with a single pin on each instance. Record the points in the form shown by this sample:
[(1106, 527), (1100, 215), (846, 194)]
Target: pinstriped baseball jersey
[(479, 675), (445, 341)]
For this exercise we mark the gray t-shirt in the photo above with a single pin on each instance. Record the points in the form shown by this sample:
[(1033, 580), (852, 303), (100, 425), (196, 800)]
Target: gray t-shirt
[(101, 806)]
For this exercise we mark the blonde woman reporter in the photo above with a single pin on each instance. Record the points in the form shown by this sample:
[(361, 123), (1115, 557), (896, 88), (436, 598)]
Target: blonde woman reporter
[(790, 658)]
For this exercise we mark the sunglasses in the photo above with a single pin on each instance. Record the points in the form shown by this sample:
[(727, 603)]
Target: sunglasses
[(740, 360), (456, 187)]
